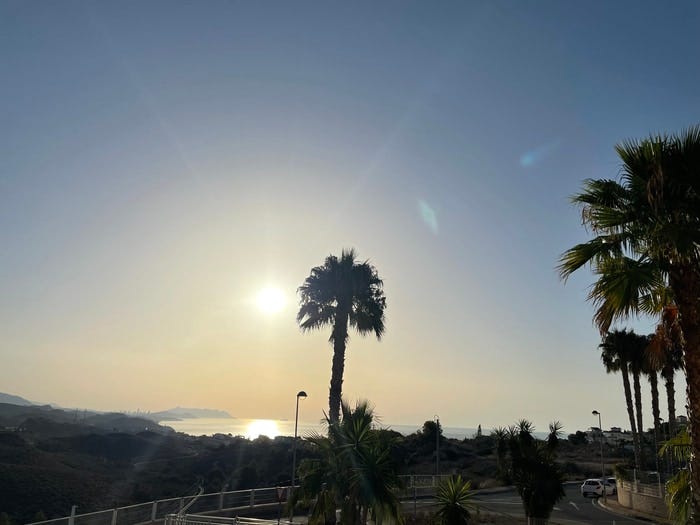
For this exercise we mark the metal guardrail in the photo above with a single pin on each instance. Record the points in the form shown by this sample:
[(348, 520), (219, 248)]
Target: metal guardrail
[(184, 509), (153, 511), (198, 519)]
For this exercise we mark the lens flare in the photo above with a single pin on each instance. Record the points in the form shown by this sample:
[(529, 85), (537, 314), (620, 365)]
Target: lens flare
[(534, 156), (429, 216)]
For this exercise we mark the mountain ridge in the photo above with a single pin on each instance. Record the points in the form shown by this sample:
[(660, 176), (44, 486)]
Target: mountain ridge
[(11, 399), (171, 414), (178, 413)]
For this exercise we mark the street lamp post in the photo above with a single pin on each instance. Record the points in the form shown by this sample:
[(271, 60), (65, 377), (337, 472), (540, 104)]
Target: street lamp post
[(602, 462), (437, 447), (301, 394)]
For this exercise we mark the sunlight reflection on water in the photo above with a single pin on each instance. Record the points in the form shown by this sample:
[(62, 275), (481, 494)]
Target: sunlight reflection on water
[(252, 428)]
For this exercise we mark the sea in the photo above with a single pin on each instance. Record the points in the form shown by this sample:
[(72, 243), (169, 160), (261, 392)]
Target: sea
[(253, 428)]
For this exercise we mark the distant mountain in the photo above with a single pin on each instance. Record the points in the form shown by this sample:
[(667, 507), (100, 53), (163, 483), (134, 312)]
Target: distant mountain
[(177, 413), (14, 400), (45, 421)]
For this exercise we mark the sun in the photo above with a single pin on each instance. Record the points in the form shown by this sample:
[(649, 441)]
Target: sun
[(271, 299), (262, 427)]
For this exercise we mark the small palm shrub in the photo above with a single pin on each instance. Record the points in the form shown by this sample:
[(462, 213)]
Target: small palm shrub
[(454, 497)]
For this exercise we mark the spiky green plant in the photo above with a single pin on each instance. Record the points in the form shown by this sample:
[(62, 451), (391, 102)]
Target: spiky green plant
[(355, 472), (455, 501)]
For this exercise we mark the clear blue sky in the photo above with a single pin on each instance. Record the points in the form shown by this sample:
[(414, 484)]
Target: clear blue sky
[(162, 162)]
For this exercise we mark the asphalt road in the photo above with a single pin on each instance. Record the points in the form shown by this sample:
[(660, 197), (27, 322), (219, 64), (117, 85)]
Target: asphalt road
[(573, 509)]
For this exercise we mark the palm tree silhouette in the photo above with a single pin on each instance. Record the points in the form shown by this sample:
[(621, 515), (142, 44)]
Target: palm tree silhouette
[(665, 351), (616, 349), (646, 241), (342, 293), (650, 368), (532, 464)]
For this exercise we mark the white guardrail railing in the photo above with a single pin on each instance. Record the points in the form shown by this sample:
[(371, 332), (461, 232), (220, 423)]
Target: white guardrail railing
[(213, 503), (197, 519)]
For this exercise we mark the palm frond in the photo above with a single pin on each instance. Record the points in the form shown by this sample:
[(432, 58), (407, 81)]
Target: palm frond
[(625, 287), (588, 253), (678, 494)]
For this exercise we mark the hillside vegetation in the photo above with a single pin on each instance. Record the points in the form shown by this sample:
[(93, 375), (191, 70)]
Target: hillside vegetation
[(52, 459)]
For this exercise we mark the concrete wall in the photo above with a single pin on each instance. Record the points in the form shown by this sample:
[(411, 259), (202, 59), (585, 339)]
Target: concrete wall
[(642, 497)]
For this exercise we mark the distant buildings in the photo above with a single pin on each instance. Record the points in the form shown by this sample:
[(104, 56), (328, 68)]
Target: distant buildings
[(616, 436)]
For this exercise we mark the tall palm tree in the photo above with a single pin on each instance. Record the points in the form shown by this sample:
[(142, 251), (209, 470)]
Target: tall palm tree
[(616, 349), (342, 293), (637, 367), (648, 224), (665, 351), (651, 371)]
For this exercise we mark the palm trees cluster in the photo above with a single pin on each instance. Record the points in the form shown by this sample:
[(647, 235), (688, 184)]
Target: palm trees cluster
[(645, 252), (636, 355)]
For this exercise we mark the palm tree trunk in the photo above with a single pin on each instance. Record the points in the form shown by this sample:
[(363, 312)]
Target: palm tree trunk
[(638, 407), (654, 382), (630, 411), (685, 283), (668, 374), (339, 338)]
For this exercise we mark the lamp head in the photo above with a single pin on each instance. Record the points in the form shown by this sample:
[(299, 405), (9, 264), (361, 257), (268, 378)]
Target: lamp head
[(595, 413), (301, 394)]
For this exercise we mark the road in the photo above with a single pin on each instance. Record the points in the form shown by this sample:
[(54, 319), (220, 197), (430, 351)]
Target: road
[(573, 509)]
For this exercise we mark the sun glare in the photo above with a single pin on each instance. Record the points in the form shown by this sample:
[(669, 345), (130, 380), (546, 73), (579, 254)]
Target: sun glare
[(262, 427), (271, 300)]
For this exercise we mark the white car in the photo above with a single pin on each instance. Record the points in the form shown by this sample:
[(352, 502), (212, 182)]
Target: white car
[(595, 488)]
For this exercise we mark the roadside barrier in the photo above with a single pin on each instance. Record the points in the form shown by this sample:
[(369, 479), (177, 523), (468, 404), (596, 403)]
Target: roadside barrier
[(197, 519), (415, 486)]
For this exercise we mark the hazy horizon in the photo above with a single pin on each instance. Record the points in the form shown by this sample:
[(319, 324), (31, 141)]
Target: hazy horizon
[(171, 171), (236, 421)]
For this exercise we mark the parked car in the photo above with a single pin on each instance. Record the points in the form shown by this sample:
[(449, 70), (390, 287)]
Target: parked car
[(595, 488), (613, 482)]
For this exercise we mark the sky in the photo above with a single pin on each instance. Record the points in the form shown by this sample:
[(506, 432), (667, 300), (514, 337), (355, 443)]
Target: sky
[(161, 163)]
